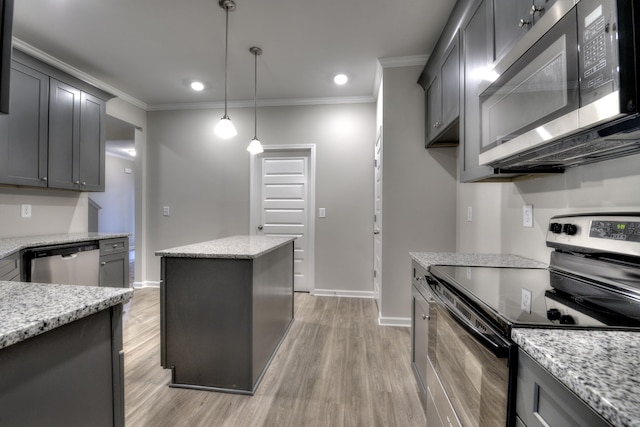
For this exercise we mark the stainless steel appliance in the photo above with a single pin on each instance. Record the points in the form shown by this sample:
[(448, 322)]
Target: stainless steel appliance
[(567, 94), (593, 281), (73, 264)]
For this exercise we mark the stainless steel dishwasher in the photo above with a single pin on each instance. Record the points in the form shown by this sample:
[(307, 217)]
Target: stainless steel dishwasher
[(71, 264)]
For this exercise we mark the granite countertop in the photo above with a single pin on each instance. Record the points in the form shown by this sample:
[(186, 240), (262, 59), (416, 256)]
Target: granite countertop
[(425, 259), (30, 309), (235, 247), (601, 367), (11, 245)]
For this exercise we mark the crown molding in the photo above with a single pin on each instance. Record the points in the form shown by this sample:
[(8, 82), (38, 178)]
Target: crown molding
[(48, 59), (403, 61), (264, 103)]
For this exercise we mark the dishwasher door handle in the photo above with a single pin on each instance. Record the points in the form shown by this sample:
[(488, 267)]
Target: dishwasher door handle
[(69, 256)]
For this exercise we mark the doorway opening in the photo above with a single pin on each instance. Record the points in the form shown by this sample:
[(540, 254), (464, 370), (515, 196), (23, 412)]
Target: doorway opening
[(113, 211)]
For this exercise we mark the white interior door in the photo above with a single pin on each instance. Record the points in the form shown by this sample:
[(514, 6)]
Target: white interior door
[(377, 220), (283, 205)]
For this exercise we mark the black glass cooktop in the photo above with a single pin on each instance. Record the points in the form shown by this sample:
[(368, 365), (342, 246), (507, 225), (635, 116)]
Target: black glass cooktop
[(527, 297)]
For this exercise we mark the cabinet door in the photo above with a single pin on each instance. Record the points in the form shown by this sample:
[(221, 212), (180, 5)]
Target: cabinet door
[(451, 86), (434, 109), (114, 270), (477, 54), (64, 136), (92, 143), (23, 133), (512, 19)]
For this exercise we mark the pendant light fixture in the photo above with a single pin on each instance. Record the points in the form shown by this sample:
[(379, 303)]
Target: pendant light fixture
[(255, 147), (225, 128)]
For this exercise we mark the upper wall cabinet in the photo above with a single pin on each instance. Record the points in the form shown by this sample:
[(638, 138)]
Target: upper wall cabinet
[(54, 135), (443, 100), (512, 19)]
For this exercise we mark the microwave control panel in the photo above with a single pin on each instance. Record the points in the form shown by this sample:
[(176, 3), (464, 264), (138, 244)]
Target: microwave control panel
[(598, 53)]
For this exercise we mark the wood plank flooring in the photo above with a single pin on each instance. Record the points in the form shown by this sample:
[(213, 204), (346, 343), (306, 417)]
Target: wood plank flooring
[(336, 367)]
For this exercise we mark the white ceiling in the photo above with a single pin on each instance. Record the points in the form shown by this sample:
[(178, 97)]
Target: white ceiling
[(152, 49)]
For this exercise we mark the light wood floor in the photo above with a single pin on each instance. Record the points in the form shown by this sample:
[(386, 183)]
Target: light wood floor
[(336, 367)]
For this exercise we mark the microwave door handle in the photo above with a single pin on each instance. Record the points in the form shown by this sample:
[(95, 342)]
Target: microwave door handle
[(494, 344)]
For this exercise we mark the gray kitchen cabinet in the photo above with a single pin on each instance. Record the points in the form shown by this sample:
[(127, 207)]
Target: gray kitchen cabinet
[(55, 134), (10, 268), (114, 262), (443, 100), (542, 400), (24, 133), (477, 53), (76, 138), (512, 19)]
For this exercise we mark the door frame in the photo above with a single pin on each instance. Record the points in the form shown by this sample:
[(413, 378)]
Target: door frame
[(254, 201)]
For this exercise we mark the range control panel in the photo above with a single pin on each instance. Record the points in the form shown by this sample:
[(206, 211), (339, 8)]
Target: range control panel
[(616, 233)]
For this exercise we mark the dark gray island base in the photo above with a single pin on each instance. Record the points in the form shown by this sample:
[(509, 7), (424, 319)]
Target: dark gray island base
[(225, 307)]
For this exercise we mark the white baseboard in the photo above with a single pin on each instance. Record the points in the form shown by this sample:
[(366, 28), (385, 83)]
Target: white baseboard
[(394, 321), (341, 293), (146, 284)]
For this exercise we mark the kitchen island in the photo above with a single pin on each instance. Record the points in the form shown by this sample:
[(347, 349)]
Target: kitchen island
[(61, 358), (225, 307)]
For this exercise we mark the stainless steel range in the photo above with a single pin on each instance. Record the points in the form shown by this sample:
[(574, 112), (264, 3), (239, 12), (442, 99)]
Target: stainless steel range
[(593, 281)]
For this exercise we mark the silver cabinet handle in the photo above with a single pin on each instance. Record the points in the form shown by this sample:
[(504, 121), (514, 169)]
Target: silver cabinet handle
[(425, 317), (260, 227), (523, 23), (376, 231), (84, 183), (436, 125), (115, 246), (44, 179), (535, 9), (103, 263), (77, 182)]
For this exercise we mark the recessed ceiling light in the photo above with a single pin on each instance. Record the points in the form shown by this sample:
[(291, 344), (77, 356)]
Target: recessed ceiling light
[(198, 86), (340, 79)]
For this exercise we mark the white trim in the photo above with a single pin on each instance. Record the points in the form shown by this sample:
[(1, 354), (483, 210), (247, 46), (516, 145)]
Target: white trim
[(342, 293), (254, 192), (146, 284), (394, 321), (403, 61), (264, 103), (48, 59)]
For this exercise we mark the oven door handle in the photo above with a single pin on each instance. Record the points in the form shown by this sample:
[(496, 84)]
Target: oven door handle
[(492, 341)]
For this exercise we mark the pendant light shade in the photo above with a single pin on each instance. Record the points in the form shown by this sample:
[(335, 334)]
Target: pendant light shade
[(225, 128), (255, 147)]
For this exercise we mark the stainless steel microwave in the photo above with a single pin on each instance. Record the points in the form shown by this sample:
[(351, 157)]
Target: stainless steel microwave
[(567, 93)]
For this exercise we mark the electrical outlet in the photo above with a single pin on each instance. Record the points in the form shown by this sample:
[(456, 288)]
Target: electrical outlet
[(525, 303), (322, 213), (25, 211), (527, 216), (469, 214), (166, 211)]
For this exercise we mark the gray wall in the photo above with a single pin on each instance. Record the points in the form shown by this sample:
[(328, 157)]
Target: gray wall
[(608, 186), (419, 191), (52, 212), (118, 200), (205, 182)]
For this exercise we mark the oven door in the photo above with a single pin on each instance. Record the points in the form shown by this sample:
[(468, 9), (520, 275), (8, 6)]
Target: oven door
[(471, 365)]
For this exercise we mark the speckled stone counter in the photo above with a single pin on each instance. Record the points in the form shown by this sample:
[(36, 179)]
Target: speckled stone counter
[(30, 309), (601, 367), (425, 259), (11, 245), (235, 247)]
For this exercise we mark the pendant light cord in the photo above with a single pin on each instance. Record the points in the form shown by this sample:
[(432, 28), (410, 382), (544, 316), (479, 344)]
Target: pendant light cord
[(255, 95), (226, 54)]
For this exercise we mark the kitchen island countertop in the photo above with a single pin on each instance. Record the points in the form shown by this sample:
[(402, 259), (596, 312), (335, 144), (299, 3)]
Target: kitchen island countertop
[(601, 367), (30, 309), (11, 245), (235, 247)]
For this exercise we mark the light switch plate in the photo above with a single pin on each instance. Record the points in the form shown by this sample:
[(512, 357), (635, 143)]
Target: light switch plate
[(469, 214), (322, 213), (527, 216), (166, 211)]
